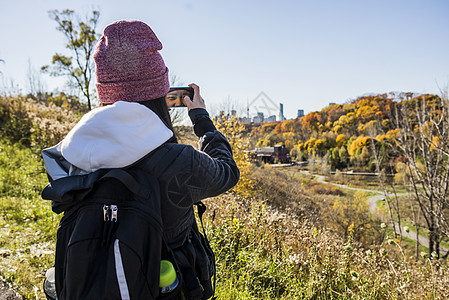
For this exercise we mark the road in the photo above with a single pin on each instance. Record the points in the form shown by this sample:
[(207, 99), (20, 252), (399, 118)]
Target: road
[(372, 204)]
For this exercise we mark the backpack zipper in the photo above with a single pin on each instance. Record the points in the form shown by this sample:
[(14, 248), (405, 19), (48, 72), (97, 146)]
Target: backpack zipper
[(110, 213), (114, 212), (106, 213), (110, 217)]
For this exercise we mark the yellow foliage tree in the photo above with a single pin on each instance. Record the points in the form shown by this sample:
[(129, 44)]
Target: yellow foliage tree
[(351, 210), (235, 133), (288, 135), (289, 144), (341, 140), (358, 143)]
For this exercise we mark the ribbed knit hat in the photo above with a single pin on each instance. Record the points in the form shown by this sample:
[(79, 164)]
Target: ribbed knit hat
[(128, 65)]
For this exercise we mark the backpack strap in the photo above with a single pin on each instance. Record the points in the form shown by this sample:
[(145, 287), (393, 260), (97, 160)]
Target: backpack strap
[(129, 181), (67, 192), (186, 259), (59, 189), (201, 208)]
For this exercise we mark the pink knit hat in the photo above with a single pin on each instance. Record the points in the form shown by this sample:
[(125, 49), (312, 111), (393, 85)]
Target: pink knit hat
[(128, 65)]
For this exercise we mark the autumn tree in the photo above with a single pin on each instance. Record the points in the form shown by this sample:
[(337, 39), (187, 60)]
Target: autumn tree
[(81, 37), (402, 177), (235, 132), (353, 212), (380, 156), (423, 124)]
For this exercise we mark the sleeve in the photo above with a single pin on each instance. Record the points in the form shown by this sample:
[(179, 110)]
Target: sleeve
[(215, 165), (209, 171), (201, 121)]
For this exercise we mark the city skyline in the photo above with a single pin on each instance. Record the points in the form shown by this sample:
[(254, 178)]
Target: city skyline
[(303, 54)]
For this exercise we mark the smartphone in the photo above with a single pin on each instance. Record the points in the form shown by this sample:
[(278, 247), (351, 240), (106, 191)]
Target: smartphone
[(175, 96)]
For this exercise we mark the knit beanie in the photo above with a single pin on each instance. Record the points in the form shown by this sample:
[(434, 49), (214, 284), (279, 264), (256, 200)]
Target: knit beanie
[(128, 65)]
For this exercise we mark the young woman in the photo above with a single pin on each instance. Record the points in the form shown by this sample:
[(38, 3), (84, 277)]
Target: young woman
[(134, 128)]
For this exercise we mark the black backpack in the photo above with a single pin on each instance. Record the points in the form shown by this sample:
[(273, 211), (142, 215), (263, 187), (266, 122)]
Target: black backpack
[(110, 240)]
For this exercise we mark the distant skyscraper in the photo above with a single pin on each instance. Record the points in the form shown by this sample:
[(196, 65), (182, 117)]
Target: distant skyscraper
[(259, 118), (271, 118), (263, 103), (281, 112), (300, 113)]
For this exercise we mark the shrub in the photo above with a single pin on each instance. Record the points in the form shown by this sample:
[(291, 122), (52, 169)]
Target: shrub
[(14, 121), (34, 124)]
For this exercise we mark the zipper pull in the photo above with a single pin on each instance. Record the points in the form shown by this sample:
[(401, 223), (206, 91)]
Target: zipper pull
[(114, 213), (106, 212)]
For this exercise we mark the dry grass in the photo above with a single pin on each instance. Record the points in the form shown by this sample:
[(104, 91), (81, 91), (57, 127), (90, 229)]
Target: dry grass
[(261, 242)]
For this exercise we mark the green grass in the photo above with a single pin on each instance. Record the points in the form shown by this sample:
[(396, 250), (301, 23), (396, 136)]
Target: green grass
[(252, 263), (406, 242), (412, 244), (27, 224), (360, 182)]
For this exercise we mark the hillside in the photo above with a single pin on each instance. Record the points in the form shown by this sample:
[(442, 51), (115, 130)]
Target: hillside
[(343, 133), (401, 139), (277, 235)]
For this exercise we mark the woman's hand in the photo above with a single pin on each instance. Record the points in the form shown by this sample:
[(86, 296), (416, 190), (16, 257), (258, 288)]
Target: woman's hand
[(197, 101)]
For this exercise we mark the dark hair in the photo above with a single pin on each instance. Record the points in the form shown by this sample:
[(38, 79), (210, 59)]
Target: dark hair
[(160, 108)]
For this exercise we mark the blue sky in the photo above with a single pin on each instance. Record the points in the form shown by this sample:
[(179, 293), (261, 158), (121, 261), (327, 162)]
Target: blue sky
[(304, 54)]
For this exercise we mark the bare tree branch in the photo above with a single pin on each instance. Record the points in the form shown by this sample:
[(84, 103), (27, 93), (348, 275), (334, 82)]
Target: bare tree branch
[(81, 38)]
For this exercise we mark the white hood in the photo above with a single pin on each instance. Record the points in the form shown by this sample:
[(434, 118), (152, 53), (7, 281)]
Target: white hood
[(114, 136)]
